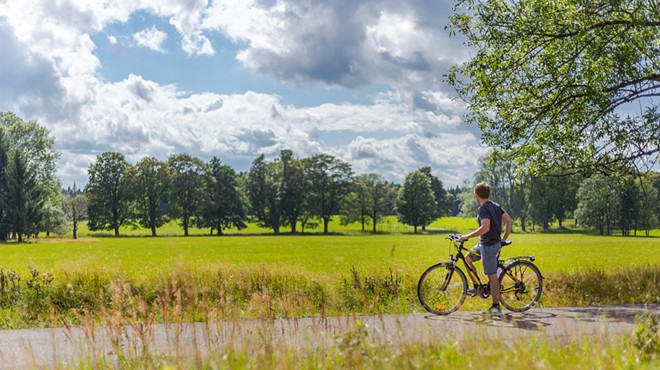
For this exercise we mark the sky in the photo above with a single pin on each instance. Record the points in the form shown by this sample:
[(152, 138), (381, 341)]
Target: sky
[(358, 79)]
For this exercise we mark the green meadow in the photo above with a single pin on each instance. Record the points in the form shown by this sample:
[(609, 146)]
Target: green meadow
[(317, 254), (313, 253), (137, 280), (255, 274)]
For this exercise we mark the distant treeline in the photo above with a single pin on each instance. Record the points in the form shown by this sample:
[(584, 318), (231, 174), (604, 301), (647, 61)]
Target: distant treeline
[(298, 193)]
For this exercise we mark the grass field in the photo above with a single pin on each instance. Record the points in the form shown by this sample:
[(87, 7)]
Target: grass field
[(319, 254), (341, 273), (138, 280)]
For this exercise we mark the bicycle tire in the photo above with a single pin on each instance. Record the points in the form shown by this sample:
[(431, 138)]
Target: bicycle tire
[(442, 288), (521, 285)]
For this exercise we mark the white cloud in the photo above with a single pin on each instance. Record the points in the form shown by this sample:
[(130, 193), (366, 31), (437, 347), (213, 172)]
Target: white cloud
[(151, 38), (51, 72)]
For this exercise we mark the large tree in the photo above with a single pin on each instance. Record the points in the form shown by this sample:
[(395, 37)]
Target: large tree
[(649, 215), (552, 81), (33, 143), (598, 203), (189, 179), (262, 188), (226, 205), (416, 202), (293, 188), (108, 193), (368, 200), (329, 178), (25, 196), (443, 199), (150, 184)]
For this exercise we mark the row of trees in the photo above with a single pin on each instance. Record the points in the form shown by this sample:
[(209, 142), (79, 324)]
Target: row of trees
[(285, 192), (607, 203)]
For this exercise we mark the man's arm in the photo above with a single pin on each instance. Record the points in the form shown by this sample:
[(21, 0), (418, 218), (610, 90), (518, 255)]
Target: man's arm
[(484, 228), (509, 225)]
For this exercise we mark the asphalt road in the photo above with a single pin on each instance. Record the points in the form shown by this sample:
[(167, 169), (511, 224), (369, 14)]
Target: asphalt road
[(68, 346)]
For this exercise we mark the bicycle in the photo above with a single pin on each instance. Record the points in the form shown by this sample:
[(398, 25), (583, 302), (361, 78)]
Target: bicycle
[(442, 288)]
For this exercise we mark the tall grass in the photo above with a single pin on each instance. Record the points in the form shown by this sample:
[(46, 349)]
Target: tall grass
[(214, 348), (37, 299)]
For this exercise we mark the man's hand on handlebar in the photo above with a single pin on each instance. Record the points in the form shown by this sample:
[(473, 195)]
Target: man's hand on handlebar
[(463, 238)]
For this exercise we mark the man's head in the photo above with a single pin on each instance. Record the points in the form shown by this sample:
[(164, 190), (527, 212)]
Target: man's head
[(482, 190)]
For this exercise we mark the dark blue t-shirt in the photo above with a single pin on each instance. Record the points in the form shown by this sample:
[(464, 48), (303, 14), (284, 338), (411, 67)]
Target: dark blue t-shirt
[(493, 212)]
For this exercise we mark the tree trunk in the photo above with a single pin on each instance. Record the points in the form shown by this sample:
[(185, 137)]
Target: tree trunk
[(153, 231), (116, 230), (326, 221)]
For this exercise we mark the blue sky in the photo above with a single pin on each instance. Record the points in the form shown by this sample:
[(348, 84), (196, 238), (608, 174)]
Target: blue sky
[(361, 80)]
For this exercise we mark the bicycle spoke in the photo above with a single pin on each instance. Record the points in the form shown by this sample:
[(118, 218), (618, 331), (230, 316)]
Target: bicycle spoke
[(521, 286), (442, 289)]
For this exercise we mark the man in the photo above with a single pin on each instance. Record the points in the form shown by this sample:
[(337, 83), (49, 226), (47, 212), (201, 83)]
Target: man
[(490, 217)]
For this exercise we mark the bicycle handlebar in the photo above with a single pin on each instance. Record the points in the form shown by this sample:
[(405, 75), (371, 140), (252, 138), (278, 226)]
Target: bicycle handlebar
[(455, 237)]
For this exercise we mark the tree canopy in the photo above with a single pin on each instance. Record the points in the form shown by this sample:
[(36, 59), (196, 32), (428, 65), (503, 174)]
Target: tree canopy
[(563, 84)]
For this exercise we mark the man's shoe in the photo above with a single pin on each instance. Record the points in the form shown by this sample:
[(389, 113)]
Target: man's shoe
[(495, 312)]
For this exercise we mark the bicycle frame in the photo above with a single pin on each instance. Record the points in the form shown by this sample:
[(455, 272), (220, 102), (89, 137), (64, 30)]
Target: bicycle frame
[(472, 274), (443, 287)]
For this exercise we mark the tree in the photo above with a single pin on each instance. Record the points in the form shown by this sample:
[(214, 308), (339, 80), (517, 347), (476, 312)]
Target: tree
[(368, 200), (598, 202), (416, 203), (150, 180), (540, 202), (75, 209), (32, 143), (25, 196), (329, 179), (108, 193), (563, 196), (293, 186), (189, 178), (469, 203), (650, 198), (549, 80), (455, 208), (262, 188), (442, 198), (227, 204), (629, 206)]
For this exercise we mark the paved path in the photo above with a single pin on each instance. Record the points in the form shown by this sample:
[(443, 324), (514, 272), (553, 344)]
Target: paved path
[(46, 347)]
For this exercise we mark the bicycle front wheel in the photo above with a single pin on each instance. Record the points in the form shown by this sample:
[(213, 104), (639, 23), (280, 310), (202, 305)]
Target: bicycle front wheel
[(442, 288), (521, 285)]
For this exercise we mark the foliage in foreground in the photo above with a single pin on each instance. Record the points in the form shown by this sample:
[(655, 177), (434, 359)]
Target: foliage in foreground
[(220, 293), (357, 349)]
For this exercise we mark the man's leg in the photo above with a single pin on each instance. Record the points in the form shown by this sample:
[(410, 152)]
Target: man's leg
[(471, 264), (494, 288)]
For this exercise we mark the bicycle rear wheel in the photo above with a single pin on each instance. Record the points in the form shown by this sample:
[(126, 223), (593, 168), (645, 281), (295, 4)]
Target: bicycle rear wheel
[(442, 288), (521, 285)]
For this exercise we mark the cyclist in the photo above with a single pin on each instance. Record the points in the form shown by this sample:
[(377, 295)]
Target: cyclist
[(490, 217)]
